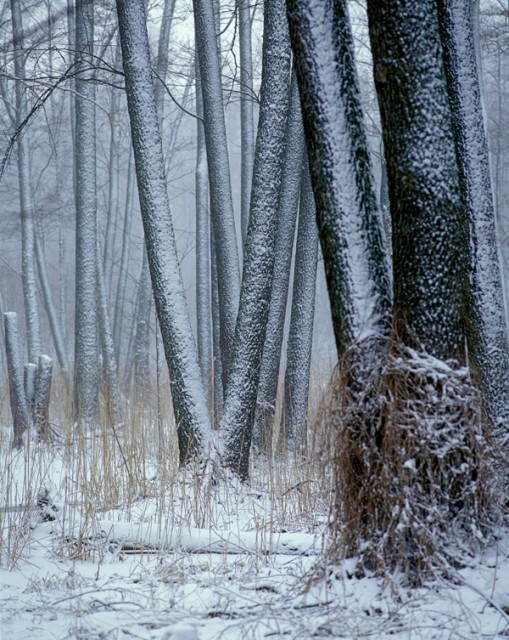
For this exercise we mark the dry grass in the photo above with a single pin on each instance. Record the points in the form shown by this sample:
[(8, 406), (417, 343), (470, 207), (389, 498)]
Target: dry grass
[(416, 487)]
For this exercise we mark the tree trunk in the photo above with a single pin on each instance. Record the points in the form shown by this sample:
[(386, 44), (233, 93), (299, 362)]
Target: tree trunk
[(86, 384), (193, 423), (429, 235), (203, 298), (349, 221), (27, 213), (247, 129), (221, 203), (42, 397), (486, 329), (244, 370), (287, 218), (300, 336), (20, 417)]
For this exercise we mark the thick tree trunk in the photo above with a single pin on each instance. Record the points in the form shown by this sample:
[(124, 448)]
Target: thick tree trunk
[(486, 329), (300, 336), (189, 403), (349, 221), (429, 235), (244, 370), (86, 384), (221, 203), (287, 218)]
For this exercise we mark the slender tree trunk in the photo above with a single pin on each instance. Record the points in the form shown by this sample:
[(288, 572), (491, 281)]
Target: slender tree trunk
[(85, 360), (56, 330), (221, 203), (300, 336), (486, 329), (349, 221), (42, 396), (193, 422), (162, 57), (27, 213), (216, 337), (247, 130), (124, 261), (429, 235), (287, 218), (203, 298), (20, 418), (244, 371)]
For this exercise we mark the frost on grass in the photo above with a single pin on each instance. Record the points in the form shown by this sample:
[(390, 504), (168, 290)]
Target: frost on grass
[(416, 484)]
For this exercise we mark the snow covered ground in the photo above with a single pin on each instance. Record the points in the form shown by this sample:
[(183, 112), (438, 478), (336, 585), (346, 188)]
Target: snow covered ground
[(190, 561)]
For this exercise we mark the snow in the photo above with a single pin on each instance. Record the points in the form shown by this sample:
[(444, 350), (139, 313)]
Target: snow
[(245, 584)]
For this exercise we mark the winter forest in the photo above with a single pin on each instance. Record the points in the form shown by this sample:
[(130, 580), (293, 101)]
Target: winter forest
[(254, 351)]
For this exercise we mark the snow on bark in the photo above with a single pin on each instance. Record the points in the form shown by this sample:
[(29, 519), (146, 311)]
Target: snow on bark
[(15, 372), (42, 396), (86, 385), (428, 227), (221, 203), (203, 299), (55, 326), (486, 330), (189, 403), (244, 370), (349, 220), (300, 336), (27, 214), (287, 218), (247, 128), (108, 347)]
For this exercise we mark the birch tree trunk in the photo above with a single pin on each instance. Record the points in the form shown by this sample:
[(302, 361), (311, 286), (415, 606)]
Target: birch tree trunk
[(287, 217), (190, 407), (486, 329), (221, 203), (27, 214), (349, 221), (86, 384), (244, 371), (300, 336), (429, 236)]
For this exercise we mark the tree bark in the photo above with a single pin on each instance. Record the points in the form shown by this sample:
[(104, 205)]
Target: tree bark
[(193, 423), (221, 203), (287, 218), (244, 371), (27, 214), (20, 417), (486, 328), (86, 385), (349, 221), (300, 336), (429, 236)]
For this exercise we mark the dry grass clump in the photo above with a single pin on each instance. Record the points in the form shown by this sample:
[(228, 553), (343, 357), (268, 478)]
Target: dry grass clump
[(416, 487)]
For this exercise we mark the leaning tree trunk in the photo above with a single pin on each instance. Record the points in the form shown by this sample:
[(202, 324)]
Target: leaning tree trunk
[(244, 370), (349, 221), (221, 203), (486, 329), (27, 214), (428, 227), (189, 403), (86, 385), (287, 217), (300, 335)]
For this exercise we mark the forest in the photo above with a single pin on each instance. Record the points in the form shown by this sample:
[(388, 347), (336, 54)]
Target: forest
[(254, 351)]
